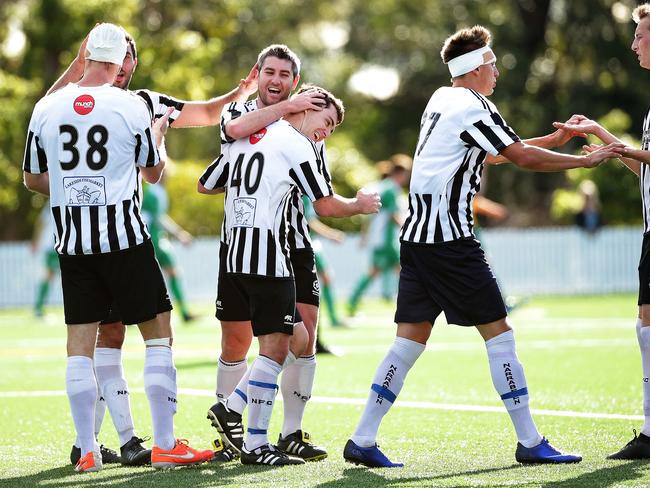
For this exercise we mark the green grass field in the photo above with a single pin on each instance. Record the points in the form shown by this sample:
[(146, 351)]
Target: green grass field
[(581, 359)]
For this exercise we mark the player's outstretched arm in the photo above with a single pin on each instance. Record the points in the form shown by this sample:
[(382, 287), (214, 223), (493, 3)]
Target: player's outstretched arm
[(252, 122), (202, 189), (74, 72), (326, 231), (538, 159), (207, 113), (589, 126), (39, 183), (337, 206)]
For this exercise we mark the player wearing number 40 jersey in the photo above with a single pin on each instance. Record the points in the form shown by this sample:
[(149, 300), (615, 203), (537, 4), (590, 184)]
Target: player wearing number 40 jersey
[(443, 268), (260, 174), (87, 146)]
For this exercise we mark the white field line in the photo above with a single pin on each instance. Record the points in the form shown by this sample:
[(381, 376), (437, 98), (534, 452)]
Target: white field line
[(454, 407)]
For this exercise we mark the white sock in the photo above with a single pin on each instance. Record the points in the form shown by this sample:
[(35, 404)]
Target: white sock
[(81, 387), (160, 387), (228, 376), (100, 411), (509, 381), (238, 399), (262, 389), (386, 385), (296, 385), (643, 336), (115, 391)]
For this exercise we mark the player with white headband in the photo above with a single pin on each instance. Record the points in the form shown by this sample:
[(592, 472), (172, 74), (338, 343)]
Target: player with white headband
[(443, 268)]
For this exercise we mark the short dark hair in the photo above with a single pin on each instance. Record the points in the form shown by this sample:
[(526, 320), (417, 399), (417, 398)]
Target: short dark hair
[(641, 12), (131, 42), (280, 51), (464, 41), (328, 99)]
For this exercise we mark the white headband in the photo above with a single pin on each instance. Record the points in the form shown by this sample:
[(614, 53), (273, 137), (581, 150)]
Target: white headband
[(470, 61)]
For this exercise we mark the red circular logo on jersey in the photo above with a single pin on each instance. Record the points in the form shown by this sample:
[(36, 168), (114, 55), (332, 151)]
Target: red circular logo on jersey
[(84, 104), (257, 137)]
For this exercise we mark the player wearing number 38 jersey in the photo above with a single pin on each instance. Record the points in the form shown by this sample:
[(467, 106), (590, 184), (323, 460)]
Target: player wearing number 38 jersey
[(88, 138)]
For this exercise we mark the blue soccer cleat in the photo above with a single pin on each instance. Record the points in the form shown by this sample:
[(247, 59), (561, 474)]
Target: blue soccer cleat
[(371, 457), (544, 453)]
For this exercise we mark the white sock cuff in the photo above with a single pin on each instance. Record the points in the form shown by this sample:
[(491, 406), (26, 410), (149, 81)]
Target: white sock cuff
[(163, 341), (407, 350), (503, 343), (231, 364), (269, 365), (108, 356), (81, 362), (306, 360)]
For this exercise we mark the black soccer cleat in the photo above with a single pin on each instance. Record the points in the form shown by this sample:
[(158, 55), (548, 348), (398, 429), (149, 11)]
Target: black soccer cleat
[(229, 425), (109, 456), (297, 444), (267, 455), (133, 453), (222, 453), (637, 448)]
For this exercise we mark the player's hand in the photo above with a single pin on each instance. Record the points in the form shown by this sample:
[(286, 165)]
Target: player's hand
[(579, 124), (309, 100), (248, 85), (81, 55), (368, 202), (161, 125), (600, 154)]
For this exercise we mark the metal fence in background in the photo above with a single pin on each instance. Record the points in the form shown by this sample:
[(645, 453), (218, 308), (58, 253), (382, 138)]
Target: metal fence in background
[(527, 261)]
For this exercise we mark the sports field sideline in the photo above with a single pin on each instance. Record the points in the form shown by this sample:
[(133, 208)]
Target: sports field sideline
[(448, 425)]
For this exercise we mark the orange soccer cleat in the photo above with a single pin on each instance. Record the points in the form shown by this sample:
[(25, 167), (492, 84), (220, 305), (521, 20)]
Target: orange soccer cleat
[(89, 463), (181, 455)]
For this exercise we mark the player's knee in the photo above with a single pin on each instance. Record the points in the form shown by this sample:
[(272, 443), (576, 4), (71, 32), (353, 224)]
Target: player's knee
[(234, 346), (111, 335), (299, 340)]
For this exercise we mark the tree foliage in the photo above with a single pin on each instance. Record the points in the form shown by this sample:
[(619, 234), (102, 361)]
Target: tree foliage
[(556, 58)]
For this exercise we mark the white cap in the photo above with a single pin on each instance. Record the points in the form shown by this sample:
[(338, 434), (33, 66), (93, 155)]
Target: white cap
[(107, 43)]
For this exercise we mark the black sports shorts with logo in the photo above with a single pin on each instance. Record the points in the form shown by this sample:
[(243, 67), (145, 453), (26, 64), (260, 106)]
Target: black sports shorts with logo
[(129, 280), (304, 271), (644, 271), (270, 302), (451, 277)]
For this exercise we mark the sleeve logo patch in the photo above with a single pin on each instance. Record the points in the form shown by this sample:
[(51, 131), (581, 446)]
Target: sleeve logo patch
[(84, 104), (257, 137)]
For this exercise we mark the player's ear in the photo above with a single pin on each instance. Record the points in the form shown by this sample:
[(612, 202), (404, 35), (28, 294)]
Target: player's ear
[(295, 82)]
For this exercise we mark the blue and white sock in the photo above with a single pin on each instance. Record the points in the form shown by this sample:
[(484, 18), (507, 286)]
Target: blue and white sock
[(229, 373), (509, 381), (386, 385), (262, 389)]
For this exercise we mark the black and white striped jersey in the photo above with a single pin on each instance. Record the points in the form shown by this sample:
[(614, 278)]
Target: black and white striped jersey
[(262, 174), (644, 174), (299, 235), (459, 128), (158, 103), (91, 140)]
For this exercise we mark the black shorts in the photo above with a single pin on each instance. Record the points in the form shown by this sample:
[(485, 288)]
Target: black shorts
[(130, 280), (230, 305), (451, 277), (644, 271), (270, 302), (304, 271)]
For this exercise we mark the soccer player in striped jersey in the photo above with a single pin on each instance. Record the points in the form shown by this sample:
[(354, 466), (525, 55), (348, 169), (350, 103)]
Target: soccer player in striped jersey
[(443, 266), (108, 354), (261, 174), (88, 156), (637, 160), (279, 69)]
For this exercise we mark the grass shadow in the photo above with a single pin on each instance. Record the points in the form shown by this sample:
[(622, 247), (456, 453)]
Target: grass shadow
[(605, 477)]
